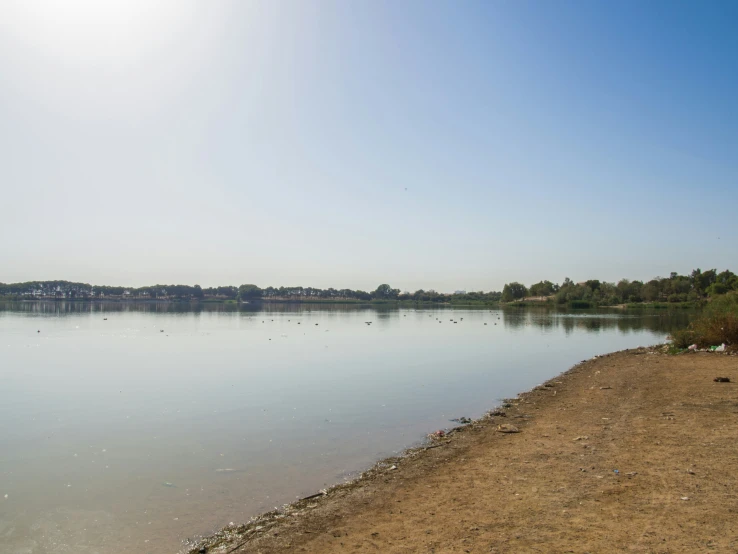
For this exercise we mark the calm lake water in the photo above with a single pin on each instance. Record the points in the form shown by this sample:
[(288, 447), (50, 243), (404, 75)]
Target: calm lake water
[(131, 433)]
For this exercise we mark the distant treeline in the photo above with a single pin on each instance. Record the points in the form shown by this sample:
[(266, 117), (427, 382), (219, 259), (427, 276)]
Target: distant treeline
[(248, 292), (694, 287), (676, 288)]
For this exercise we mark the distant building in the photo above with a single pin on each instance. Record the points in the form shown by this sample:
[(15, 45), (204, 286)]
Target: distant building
[(459, 292)]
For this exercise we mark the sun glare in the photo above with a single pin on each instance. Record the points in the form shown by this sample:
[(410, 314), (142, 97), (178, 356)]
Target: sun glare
[(80, 31)]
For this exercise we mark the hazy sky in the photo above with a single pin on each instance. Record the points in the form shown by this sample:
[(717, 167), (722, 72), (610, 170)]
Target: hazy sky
[(446, 145)]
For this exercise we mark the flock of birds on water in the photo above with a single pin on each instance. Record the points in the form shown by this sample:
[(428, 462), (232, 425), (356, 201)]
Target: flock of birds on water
[(452, 320), (366, 322), (403, 315)]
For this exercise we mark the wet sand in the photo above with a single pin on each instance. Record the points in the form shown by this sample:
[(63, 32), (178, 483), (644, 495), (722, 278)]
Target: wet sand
[(633, 451)]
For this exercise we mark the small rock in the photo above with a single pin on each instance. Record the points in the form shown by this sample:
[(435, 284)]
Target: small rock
[(507, 428), (722, 379)]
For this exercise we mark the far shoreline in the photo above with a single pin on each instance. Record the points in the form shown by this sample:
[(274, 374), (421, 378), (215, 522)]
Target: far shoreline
[(526, 303)]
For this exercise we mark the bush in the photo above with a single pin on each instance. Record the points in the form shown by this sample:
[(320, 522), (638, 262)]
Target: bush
[(718, 324), (725, 304)]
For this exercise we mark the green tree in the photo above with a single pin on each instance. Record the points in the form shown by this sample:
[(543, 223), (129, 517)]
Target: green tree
[(513, 291), (249, 292), (651, 291), (716, 289), (543, 288), (385, 292), (701, 280), (728, 278), (593, 284)]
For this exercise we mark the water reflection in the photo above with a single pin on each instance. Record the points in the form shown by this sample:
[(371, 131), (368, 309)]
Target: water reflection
[(595, 321), (544, 318)]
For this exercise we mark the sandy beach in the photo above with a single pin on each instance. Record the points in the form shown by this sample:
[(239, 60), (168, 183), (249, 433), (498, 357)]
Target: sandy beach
[(632, 451)]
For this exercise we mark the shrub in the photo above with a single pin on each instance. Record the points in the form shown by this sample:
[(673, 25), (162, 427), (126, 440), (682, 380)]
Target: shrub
[(725, 304), (718, 324)]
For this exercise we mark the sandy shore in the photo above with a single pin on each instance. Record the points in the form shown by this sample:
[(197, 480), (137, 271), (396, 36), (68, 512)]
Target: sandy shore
[(635, 451)]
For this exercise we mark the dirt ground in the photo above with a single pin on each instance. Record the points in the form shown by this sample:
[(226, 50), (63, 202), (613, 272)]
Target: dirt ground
[(631, 452)]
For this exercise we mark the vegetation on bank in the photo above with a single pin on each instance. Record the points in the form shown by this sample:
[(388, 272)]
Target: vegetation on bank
[(716, 325), (673, 291), (661, 305)]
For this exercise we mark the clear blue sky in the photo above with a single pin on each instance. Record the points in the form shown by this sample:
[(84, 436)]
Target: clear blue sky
[(446, 145)]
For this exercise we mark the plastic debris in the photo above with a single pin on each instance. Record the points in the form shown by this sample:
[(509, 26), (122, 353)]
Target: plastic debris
[(720, 348)]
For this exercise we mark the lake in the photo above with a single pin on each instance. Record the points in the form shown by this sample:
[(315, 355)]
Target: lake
[(130, 427)]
